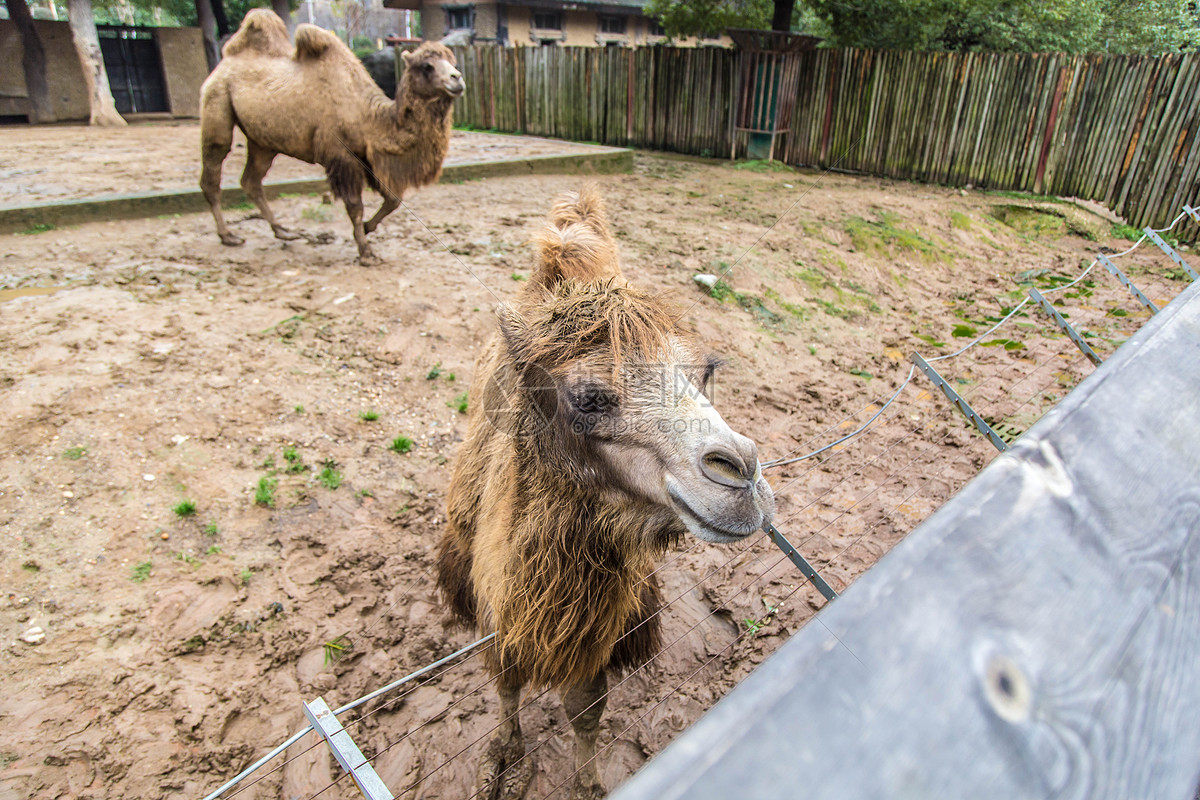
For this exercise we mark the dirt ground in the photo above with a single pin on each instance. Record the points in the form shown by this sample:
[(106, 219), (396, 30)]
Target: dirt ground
[(65, 162), (151, 652)]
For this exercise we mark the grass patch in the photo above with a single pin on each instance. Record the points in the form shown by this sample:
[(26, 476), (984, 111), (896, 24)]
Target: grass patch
[(434, 372), (186, 508), (763, 165), (370, 415), (299, 409), (516, 276), (294, 462), (211, 529), (264, 493), (141, 572), (213, 550), (336, 648), (245, 576), (329, 477), (74, 453), (40, 227), (884, 235), (401, 444), (459, 403), (1123, 231), (960, 221)]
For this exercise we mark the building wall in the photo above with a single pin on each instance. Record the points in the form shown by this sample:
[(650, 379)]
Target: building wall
[(64, 75), (581, 28), (184, 68)]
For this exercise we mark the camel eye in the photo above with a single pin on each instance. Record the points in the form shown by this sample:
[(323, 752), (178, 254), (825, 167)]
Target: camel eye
[(710, 367), (592, 399), (427, 68)]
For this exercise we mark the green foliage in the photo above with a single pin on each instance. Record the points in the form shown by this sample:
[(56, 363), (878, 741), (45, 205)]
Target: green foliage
[(329, 477), (74, 453), (1123, 231), (186, 508), (459, 403), (141, 572), (401, 444), (336, 648), (1024, 26), (709, 17), (763, 165), (434, 372), (264, 494), (211, 529), (294, 461), (40, 227), (370, 415)]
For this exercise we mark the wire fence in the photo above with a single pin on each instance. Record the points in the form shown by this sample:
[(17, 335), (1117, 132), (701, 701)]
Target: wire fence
[(867, 477)]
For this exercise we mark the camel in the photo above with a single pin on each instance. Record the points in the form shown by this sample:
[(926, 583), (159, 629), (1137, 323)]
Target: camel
[(592, 447), (317, 103)]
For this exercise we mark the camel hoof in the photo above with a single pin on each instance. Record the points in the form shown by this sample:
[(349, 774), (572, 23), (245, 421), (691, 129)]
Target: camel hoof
[(229, 240), (504, 773), (368, 259), (286, 235)]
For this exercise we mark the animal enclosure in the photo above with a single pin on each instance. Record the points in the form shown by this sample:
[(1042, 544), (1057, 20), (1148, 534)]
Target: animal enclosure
[(1121, 130)]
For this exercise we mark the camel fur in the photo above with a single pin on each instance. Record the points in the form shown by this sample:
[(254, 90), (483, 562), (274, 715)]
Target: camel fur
[(575, 476), (316, 102)]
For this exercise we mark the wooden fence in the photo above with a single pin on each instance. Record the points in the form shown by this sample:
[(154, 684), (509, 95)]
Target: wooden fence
[(1121, 130)]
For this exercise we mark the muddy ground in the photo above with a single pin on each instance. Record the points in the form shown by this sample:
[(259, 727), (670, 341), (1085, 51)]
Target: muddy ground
[(169, 372)]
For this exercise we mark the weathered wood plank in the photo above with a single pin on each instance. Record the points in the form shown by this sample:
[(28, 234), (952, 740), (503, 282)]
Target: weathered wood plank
[(1037, 637)]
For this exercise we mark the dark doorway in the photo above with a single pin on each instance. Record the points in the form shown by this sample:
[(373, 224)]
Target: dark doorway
[(134, 68)]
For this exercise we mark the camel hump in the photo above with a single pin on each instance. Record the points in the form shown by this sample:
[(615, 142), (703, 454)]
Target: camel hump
[(312, 42), (578, 244), (263, 32)]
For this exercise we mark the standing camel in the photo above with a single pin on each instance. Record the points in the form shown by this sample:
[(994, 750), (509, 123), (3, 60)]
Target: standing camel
[(318, 104), (592, 446)]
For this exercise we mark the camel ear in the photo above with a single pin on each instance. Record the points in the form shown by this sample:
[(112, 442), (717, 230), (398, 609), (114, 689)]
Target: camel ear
[(406, 55)]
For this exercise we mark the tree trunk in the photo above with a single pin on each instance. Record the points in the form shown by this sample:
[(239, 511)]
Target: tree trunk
[(284, 9), (208, 30), (33, 59), (781, 20), (87, 45), (218, 7)]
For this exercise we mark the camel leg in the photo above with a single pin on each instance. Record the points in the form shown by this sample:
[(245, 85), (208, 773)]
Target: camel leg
[(584, 706), (505, 771), (216, 136), (354, 209), (258, 161), (390, 204)]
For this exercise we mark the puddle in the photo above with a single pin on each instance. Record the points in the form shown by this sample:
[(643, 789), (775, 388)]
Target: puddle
[(13, 294)]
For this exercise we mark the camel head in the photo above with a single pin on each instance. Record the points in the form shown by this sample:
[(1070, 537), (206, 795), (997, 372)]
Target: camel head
[(612, 394), (430, 72)]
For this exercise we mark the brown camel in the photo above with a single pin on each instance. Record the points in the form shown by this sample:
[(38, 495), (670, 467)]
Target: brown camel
[(318, 104), (592, 446)]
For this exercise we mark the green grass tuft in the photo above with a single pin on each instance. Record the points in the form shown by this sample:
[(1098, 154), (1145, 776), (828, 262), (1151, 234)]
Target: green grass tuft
[(459, 403), (74, 453), (141, 572), (264, 494), (401, 444), (41, 227), (370, 415), (186, 508), (329, 477)]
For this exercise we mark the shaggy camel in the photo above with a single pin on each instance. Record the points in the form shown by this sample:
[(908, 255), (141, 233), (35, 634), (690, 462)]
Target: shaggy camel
[(318, 104), (592, 446)]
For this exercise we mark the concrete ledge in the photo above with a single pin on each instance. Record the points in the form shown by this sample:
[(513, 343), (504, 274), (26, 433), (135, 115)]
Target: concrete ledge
[(59, 213)]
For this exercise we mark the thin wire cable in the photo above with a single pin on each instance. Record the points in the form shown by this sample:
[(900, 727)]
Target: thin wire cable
[(780, 462)]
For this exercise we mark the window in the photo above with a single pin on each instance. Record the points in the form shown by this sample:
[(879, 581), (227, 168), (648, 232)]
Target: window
[(548, 20), (654, 28), (460, 18), (615, 25)]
